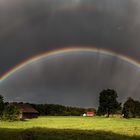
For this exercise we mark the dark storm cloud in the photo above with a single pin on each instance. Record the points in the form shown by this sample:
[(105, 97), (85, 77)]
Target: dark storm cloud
[(30, 27), (73, 79)]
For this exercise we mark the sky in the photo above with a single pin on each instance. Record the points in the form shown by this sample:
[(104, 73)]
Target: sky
[(31, 27)]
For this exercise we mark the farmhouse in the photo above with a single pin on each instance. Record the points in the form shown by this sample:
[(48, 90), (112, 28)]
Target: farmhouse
[(26, 111)]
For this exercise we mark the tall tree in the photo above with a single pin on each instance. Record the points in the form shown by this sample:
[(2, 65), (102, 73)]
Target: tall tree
[(1, 105), (131, 108), (108, 103)]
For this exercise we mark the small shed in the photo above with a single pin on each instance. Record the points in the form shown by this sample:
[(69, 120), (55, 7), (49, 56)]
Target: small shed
[(26, 111)]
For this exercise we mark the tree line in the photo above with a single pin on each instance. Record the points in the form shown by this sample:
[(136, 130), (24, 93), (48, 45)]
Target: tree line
[(60, 110), (10, 112), (108, 105)]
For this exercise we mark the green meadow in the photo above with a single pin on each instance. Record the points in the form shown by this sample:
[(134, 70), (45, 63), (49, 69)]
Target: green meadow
[(71, 128)]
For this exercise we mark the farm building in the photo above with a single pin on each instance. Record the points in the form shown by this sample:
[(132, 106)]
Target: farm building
[(26, 111), (89, 114)]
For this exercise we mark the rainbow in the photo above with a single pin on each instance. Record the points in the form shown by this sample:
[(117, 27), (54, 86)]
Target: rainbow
[(67, 50)]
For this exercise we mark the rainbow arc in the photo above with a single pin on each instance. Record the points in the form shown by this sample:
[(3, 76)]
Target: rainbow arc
[(67, 50)]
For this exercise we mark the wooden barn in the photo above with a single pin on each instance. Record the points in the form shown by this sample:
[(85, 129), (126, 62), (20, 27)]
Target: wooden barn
[(26, 111)]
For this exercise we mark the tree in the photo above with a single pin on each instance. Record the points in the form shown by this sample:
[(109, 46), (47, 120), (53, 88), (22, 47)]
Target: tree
[(10, 113), (108, 103), (137, 109), (1, 106), (131, 108)]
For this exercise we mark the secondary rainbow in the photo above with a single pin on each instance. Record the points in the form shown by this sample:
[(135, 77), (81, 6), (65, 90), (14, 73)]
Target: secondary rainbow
[(67, 50)]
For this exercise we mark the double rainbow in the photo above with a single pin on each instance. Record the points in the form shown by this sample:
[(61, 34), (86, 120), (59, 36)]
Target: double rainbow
[(67, 50)]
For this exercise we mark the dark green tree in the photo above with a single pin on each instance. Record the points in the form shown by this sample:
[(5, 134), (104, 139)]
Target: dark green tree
[(10, 113), (131, 108), (137, 109), (108, 103), (1, 106)]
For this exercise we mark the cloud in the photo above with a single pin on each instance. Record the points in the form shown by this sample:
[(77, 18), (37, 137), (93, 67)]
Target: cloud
[(74, 79), (32, 27)]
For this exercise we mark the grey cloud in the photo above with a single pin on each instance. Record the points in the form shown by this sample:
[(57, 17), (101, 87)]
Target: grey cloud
[(72, 79), (31, 27)]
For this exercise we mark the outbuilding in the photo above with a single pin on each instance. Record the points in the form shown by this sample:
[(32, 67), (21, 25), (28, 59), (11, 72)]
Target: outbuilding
[(26, 111), (90, 114)]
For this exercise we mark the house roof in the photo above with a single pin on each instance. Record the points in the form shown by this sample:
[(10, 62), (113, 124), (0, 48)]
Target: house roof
[(25, 108), (90, 112)]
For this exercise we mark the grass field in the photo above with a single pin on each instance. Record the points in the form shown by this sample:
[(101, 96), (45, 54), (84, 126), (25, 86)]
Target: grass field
[(71, 128)]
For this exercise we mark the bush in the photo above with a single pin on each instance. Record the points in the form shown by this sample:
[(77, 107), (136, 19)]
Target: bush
[(10, 113)]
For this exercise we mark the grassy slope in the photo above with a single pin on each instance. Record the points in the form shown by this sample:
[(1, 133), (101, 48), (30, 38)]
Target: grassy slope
[(71, 128)]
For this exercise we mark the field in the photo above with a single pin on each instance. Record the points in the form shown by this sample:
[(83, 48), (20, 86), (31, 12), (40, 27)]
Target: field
[(71, 128)]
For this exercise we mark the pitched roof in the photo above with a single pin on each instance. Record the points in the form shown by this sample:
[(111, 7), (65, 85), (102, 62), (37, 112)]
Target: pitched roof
[(25, 108)]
